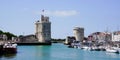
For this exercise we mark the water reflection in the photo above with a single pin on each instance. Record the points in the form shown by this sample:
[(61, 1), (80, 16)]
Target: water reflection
[(43, 52), (113, 55), (8, 56)]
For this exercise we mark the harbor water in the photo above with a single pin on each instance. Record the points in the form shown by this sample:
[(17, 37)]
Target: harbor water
[(58, 51)]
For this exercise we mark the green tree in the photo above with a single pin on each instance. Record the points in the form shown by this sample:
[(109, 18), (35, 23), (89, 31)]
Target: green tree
[(1, 32), (9, 35)]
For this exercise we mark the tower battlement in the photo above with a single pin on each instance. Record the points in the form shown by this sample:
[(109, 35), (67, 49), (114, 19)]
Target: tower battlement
[(44, 18)]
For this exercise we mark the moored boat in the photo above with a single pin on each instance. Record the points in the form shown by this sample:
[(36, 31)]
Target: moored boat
[(86, 48), (10, 48), (116, 48), (75, 44), (102, 48), (111, 50), (95, 49)]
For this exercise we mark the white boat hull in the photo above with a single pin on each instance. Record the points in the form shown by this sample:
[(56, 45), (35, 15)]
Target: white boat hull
[(112, 51)]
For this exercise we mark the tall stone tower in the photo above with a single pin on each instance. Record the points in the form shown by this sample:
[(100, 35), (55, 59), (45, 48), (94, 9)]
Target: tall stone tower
[(43, 30), (78, 33)]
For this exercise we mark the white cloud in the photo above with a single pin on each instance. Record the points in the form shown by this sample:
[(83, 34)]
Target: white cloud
[(59, 13)]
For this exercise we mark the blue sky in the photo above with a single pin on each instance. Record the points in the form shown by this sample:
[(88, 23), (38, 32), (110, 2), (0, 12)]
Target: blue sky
[(19, 16)]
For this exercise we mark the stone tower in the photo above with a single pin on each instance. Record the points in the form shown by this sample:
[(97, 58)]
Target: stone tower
[(78, 33), (43, 30)]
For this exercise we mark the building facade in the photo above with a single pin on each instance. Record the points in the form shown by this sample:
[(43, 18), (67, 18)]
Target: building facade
[(43, 29), (69, 39), (79, 33), (116, 36), (3, 37), (100, 37)]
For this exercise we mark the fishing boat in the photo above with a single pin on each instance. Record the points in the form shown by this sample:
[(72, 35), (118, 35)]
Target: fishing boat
[(10, 48)]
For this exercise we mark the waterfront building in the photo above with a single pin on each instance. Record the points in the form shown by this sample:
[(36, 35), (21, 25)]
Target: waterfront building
[(108, 36), (3, 37), (69, 39), (100, 37), (28, 39), (79, 33), (43, 29), (116, 36)]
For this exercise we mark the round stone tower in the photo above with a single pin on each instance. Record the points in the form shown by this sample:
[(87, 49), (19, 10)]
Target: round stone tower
[(78, 33)]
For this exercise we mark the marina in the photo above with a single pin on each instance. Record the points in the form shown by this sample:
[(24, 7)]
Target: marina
[(90, 47), (58, 51)]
